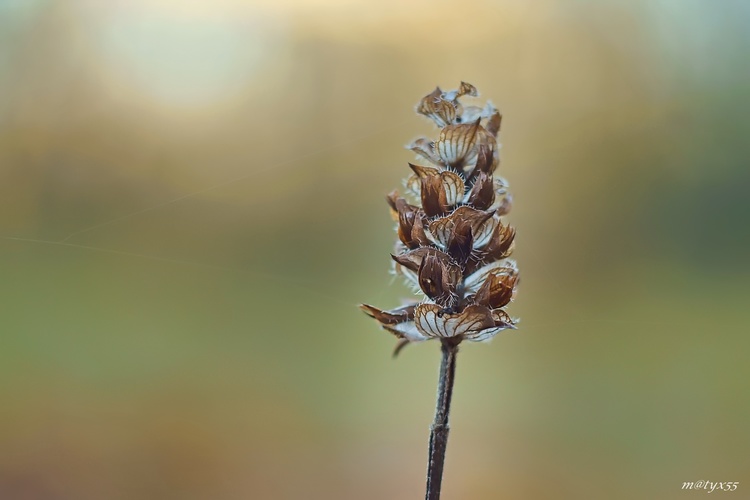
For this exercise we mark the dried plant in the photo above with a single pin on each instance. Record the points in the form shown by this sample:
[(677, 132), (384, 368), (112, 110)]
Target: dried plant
[(452, 246)]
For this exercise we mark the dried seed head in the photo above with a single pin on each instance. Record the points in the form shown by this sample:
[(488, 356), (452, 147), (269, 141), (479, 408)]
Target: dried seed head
[(452, 244)]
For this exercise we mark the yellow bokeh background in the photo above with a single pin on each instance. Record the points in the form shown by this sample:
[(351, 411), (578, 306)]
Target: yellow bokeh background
[(192, 206)]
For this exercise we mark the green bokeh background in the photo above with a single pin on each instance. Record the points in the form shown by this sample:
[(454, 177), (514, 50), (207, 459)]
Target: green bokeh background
[(191, 207)]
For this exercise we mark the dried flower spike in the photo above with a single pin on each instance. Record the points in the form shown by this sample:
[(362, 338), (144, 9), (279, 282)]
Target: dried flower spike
[(452, 246)]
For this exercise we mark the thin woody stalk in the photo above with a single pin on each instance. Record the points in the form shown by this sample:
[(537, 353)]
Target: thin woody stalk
[(440, 427), (453, 246)]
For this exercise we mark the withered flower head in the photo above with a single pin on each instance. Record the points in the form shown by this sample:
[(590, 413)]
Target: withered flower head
[(452, 245)]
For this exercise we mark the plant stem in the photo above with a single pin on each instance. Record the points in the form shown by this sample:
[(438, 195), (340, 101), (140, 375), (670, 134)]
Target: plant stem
[(439, 429)]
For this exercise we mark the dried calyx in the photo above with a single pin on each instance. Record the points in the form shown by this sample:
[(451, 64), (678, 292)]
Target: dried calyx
[(452, 244)]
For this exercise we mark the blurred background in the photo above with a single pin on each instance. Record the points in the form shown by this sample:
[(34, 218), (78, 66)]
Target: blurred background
[(192, 206)]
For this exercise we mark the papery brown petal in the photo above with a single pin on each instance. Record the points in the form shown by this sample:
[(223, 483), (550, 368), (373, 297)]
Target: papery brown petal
[(429, 177), (434, 279), (413, 184), (476, 273), (506, 202), (404, 206), (413, 259), (409, 260), (425, 105), (442, 228), (438, 189), (502, 196), (433, 197), (461, 241), (482, 194), (500, 244), (426, 149), (489, 142), (471, 265), (399, 322), (456, 143), (442, 111), (435, 322), (418, 233), (391, 199), (467, 89), (392, 317), (485, 161), (497, 289), (405, 226), (424, 172), (502, 322), (502, 319), (487, 333), (407, 214), (493, 124), (454, 187)]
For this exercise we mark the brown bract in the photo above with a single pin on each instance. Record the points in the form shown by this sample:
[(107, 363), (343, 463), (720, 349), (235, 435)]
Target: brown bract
[(457, 144), (453, 246), (410, 221)]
